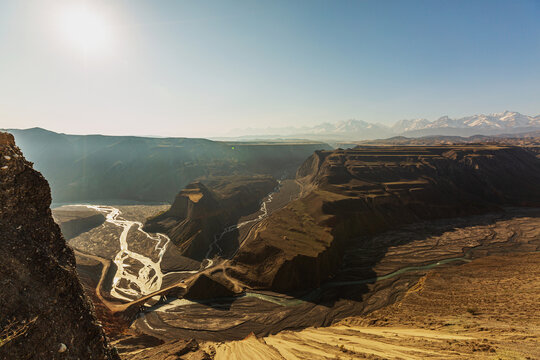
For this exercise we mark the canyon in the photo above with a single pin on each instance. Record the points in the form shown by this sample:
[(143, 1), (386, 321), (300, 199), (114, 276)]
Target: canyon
[(250, 265), (355, 193)]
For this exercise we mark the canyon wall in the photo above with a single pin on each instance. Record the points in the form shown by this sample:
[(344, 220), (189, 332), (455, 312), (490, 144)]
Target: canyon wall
[(202, 211), (348, 194)]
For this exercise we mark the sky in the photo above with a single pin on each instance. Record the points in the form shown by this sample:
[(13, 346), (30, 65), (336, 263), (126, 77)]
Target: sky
[(203, 68)]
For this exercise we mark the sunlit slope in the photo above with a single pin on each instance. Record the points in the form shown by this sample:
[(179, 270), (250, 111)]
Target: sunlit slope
[(486, 309)]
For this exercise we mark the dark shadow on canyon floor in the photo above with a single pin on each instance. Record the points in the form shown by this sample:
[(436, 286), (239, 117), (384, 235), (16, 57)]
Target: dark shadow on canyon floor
[(365, 258)]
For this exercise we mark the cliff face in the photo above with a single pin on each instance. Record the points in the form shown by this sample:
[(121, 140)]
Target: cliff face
[(200, 212), (351, 193), (43, 311)]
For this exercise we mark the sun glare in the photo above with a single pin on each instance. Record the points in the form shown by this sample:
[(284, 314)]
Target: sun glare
[(85, 29)]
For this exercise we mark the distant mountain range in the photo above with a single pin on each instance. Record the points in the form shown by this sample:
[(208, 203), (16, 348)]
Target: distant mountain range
[(492, 124), (507, 122)]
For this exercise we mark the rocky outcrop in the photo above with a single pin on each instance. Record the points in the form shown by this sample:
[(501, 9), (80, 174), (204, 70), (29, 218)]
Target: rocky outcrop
[(204, 287), (44, 313), (352, 193), (200, 212)]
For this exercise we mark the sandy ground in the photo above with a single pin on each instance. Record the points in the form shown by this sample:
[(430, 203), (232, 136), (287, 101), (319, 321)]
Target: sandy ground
[(486, 309)]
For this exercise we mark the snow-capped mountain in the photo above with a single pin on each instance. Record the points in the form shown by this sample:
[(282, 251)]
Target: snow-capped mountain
[(498, 123), (408, 125), (492, 124), (506, 119)]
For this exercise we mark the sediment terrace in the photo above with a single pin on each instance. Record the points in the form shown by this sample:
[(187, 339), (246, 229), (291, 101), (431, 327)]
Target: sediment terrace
[(487, 308), (360, 286)]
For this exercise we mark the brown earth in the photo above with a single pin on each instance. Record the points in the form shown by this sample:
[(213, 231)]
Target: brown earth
[(349, 198), (486, 309), (360, 286)]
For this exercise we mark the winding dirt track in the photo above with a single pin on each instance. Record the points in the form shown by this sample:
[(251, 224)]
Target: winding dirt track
[(106, 264)]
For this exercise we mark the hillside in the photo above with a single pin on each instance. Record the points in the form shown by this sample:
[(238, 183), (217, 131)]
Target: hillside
[(482, 320), (526, 139), (104, 168)]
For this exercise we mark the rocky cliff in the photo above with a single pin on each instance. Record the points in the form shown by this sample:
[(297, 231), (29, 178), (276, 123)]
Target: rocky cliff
[(351, 193), (202, 211), (44, 313)]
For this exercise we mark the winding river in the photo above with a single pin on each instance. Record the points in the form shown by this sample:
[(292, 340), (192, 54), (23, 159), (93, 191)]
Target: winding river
[(149, 277), (128, 283)]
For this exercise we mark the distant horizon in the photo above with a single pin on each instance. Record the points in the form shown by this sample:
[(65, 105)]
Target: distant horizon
[(274, 136), (387, 124)]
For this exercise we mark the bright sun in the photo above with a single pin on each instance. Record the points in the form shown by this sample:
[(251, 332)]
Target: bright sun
[(85, 29)]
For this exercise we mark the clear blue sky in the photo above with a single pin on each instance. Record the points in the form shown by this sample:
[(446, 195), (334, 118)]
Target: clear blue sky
[(200, 68)]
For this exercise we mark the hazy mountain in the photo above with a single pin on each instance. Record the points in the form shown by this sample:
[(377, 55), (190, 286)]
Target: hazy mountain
[(93, 167), (97, 167), (492, 124), (408, 125), (346, 129)]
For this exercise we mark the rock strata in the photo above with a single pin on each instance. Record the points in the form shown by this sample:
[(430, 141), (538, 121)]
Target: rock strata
[(350, 194)]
